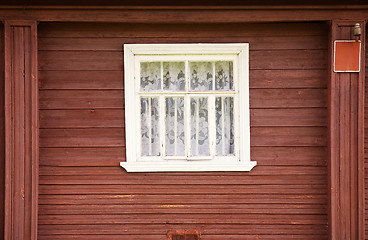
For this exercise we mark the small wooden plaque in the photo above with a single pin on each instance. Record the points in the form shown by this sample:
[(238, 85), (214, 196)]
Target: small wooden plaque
[(347, 56), (183, 235)]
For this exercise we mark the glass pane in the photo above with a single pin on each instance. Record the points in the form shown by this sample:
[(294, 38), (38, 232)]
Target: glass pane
[(199, 126), (224, 76), (150, 127), (150, 76), (174, 77), (175, 140), (224, 125), (201, 76)]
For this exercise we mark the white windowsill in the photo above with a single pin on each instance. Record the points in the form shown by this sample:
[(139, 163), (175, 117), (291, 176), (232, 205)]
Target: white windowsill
[(204, 166)]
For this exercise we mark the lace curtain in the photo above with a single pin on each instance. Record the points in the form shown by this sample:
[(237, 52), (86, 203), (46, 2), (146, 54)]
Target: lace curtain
[(203, 77)]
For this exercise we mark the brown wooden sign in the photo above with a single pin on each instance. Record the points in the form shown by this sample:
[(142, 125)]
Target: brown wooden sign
[(347, 56), (183, 235)]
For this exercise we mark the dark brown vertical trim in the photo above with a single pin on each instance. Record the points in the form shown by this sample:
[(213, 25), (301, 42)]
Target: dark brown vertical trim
[(346, 141), (21, 134), (2, 131)]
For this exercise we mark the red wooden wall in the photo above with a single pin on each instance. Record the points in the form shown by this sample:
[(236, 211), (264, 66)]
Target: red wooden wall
[(84, 194), (366, 143), (2, 132)]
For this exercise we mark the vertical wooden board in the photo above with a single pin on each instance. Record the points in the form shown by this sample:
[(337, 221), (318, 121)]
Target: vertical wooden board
[(346, 174), (18, 100), (2, 131), (365, 56), (21, 130)]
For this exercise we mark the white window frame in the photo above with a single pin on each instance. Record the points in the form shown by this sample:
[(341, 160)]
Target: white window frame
[(239, 54)]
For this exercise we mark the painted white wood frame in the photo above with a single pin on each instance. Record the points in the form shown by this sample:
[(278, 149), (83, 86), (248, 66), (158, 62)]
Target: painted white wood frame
[(238, 54)]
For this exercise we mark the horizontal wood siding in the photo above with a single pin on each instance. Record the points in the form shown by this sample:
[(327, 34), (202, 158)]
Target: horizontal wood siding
[(84, 194)]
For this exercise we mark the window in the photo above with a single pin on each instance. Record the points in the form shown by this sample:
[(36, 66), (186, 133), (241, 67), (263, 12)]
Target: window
[(187, 107)]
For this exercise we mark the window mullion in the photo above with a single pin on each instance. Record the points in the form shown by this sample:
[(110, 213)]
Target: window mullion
[(213, 76), (223, 114), (197, 125), (212, 124), (187, 111), (176, 126), (162, 75), (162, 117), (187, 125), (162, 126), (149, 127)]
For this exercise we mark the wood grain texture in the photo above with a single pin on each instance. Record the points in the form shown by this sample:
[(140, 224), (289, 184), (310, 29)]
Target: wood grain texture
[(114, 43), (112, 60), (113, 80), (82, 139), (156, 229), (188, 16), (204, 237), (366, 145), (185, 31), (252, 198), (21, 134), (259, 98), (112, 171), (2, 131), (346, 171), (112, 156)]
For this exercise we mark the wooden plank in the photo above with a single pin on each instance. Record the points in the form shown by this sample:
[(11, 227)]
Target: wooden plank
[(346, 174), (292, 209), (174, 219), (170, 30), (275, 237), (82, 156), (99, 137), (179, 180), (288, 117), (290, 156), (182, 189), (287, 78), (265, 156), (115, 44), (18, 180), (82, 118), (114, 137), (259, 98), (251, 198), (182, 15), (287, 98), (205, 229), (91, 79), (80, 60), (115, 118), (265, 171), (101, 236), (288, 59), (21, 124), (81, 79), (288, 136), (2, 131), (203, 237), (81, 99), (111, 60)]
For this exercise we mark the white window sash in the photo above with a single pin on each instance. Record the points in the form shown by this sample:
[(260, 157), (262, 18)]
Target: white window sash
[(238, 54)]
